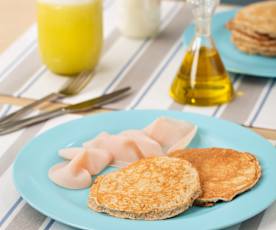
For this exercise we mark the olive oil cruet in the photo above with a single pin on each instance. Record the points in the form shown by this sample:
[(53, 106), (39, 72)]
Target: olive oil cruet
[(202, 78)]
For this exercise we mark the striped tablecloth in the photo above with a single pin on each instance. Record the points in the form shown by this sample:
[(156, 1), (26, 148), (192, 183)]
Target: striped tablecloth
[(149, 67)]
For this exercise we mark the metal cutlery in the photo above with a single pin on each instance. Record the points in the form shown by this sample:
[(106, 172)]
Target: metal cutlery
[(24, 101), (73, 87), (75, 108)]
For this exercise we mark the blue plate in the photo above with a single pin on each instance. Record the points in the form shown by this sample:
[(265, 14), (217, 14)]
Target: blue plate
[(70, 206), (233, 59)]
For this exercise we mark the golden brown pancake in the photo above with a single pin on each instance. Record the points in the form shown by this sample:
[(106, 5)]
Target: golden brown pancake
[(251, 40), (233, 26), (151, 189), (224, 173), (254, 28), (258, 17), (252, 48), (253, 45)]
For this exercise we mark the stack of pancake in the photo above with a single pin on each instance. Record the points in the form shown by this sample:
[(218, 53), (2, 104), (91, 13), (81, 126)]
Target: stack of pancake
[(157, 188), (254, 28)]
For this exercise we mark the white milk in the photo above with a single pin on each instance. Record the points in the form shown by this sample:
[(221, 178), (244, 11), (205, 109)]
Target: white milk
[(138, 18)]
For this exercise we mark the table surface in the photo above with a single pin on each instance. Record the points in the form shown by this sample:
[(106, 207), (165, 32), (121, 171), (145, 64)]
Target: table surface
[(29, 80), (15, 17)]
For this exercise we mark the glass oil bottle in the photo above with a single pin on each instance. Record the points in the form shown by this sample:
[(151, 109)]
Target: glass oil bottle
[(202, 78)]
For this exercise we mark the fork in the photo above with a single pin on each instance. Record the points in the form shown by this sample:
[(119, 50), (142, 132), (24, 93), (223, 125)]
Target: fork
[(73, 87), (83, 106)]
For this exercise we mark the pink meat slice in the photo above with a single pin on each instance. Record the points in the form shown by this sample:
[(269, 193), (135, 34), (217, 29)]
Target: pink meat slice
[(170, 133), (76, 174), (96, 160), (70, 153), (146, 146), (162, 136), (70, 175), (121, 147)]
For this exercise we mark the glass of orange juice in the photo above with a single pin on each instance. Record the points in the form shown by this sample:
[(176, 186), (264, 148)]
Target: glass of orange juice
[(70, 34)]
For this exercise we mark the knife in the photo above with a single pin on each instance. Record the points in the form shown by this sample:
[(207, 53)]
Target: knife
[(75, 108)]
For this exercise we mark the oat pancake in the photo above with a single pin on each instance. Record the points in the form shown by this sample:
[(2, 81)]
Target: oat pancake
[(253, 48), (232, 26), (151, 189), (224, 173), (254, 28), (258, 17), (254, 41)]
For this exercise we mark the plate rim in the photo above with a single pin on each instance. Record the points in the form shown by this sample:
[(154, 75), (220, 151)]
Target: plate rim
[(88, 118)]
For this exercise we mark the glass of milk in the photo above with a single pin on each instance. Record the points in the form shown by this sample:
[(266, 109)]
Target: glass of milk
[(70, 34), (138, 18)]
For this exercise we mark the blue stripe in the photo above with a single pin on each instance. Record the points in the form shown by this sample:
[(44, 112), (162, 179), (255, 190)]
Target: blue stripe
[(10, 65), (10, 211), (119, 74), (27, 48), (49, 225), (4, 113), (216, 111), (235, 79), (125, 66), (39, 74), (158, 75), (25, 89), (262, 102), (106, 89), (139, 49), (4, 109)]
